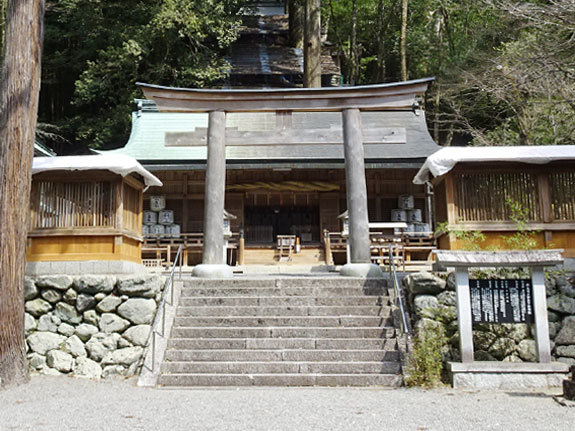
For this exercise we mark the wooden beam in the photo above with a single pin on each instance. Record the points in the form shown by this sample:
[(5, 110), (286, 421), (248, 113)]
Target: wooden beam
[(512, 226), (395, 96), (286, 136)]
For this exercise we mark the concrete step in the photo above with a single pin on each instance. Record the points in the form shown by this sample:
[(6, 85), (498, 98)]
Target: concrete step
[(281, 355), (188, 292), (282, 343), (284, 367), (287, 310), (282, 321), (271, 301), (389, 380), (288, 281), (284, 332)]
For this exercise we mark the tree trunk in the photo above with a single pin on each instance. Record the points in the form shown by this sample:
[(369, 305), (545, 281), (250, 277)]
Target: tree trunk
[(296, 12), (2, 25), (381, 42), (18, 108), (312, 45), (403, 41), (353, 54)]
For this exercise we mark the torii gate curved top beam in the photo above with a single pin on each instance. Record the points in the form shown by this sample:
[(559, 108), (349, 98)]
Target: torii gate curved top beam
[(392, 96)]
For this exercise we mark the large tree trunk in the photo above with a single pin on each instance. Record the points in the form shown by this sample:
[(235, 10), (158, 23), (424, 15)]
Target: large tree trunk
[(18, 108), (403, 40), (312, 44), (296, 10)]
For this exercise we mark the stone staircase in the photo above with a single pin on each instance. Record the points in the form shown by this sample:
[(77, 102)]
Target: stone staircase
[(291, 331)]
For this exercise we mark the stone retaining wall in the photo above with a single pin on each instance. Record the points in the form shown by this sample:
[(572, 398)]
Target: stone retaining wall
[(91, 325), (432, 302)]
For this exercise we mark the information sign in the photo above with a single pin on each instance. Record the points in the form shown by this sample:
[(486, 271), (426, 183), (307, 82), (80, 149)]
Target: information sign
[(501, 301)]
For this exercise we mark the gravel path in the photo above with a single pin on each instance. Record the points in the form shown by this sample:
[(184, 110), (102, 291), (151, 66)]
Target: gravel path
[(59, 403)]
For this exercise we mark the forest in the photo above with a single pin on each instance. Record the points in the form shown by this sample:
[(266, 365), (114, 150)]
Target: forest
[(505, 70)]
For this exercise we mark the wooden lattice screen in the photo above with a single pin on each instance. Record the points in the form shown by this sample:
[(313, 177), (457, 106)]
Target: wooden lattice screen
[(484, 196), (563, 195), (71, 205)]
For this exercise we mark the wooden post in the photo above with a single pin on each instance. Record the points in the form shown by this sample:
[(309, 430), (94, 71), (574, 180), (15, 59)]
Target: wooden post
[(327, 245), (119, 205), (544, 189), (540, 312), (464, 314), (312, 44), (241, 248)]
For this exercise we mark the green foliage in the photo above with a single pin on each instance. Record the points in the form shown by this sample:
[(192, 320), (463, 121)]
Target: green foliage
[(425, 361), (524, 238), (96, 50), (470, 239)]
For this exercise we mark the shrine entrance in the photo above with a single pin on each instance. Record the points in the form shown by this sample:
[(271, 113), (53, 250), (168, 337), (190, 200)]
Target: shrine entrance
[(264, 223)]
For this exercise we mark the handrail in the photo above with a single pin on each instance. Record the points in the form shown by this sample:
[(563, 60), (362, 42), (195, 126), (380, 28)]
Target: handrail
[(169, 286), (393, 276)]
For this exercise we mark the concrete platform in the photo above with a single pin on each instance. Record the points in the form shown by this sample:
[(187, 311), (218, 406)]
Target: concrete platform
[(507, 375)]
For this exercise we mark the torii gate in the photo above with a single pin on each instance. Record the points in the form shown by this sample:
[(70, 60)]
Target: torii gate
[(347, 100)]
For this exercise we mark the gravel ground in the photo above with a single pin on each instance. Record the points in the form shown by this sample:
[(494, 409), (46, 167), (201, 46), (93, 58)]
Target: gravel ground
[(59, 403)]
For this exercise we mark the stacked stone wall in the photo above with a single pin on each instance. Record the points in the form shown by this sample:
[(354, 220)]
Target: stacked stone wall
[(433, 304), (94, 326)]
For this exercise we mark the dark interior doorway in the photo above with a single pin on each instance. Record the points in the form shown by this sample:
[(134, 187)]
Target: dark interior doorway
[(264, 224)]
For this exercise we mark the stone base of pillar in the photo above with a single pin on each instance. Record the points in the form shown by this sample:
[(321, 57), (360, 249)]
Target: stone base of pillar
[(361, 270), (212, 271)]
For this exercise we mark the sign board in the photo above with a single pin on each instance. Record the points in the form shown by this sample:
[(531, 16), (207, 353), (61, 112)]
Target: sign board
[(501, 301)]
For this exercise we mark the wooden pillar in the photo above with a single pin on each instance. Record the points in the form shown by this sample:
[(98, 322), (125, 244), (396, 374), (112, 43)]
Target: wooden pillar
[(213, 253), (327, 245), (540, 312), (312, 44), (241, 248), (356, 187), (119, 205), (464, 320), (185, 206)]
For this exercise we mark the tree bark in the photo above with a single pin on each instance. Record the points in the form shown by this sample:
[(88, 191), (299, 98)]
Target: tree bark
[(403, 40), (381, 42), (312, 45), (353, 54), (296, 10), (18, 109)]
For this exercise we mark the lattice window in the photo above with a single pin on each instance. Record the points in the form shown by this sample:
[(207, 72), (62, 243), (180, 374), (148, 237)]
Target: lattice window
[(483, 197), (73, 205), (563, 195)]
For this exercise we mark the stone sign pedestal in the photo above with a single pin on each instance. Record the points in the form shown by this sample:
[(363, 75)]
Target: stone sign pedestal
[(506, 375)]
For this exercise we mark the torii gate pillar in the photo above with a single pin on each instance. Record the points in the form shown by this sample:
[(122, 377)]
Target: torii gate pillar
[(213, 264)]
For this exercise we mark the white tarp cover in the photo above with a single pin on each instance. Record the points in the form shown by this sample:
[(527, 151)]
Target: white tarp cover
[(119, 164), (444, 160)]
